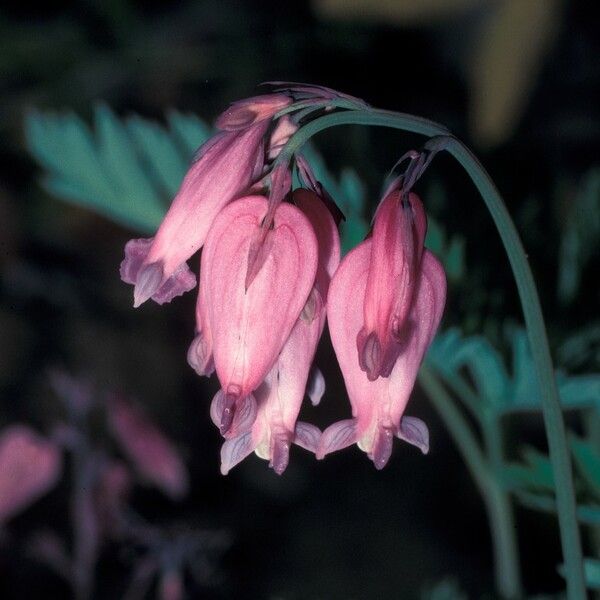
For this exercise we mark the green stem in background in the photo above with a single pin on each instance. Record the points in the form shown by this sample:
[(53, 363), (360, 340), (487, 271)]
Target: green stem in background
[(497, 503), (504, 531), (555, 429)]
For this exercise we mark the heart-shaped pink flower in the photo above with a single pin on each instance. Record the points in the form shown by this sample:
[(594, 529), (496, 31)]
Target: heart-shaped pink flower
[(250, 320)]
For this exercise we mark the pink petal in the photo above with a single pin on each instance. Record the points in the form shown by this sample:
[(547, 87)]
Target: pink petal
[(235, 451), (249, 327), (338, 436), (307, 436), (425, 317), (233, 415), (345, 319), (398, 236), (283, 131), (316, 386), (152, 454), (30, 466), (415, 432), (247, 112), (199, 355), (226, 167)]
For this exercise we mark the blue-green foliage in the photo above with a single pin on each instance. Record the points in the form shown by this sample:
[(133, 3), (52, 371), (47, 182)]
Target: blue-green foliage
[(474, 364), (126, 170)]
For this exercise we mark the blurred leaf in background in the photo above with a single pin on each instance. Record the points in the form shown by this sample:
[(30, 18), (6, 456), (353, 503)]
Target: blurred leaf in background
[(126, 171), (579, 220)]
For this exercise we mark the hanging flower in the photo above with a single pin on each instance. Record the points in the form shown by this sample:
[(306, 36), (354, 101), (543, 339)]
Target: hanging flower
[(270, 277), (378, 405), (280, 396)]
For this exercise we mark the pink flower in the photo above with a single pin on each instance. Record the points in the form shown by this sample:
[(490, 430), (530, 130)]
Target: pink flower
[(151, 453), (200, 356), (224, 168), (250, 318), (378, 405), (30, 466), (280, 396), (398, 236), (247, 112)]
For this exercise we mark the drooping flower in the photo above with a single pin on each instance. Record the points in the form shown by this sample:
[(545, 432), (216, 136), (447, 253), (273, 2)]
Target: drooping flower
[(280, 396), (226, 165), (250, 318), (398, 235), (30, 466), (378, 405)]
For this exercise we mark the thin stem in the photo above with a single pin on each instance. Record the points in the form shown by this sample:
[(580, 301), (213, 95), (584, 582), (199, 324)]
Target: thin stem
[(536, 331), (500, 517), (458, 427), (504, 530), (555, 430)]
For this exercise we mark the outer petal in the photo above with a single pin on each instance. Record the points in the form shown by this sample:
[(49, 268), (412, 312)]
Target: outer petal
[(250, 326), (225, 167), (424, 319), (246, 112), (345, 317), (283, 131), (200, 356), (398, 236)]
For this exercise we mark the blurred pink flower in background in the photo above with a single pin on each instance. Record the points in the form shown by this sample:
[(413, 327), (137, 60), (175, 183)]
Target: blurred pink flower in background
[(151, 453), (30, 466)]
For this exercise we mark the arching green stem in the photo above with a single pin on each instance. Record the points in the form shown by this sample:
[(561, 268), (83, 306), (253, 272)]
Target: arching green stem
[(555, 430)]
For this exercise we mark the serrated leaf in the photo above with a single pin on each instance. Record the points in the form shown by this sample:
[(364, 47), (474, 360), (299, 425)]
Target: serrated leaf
[(122, 166), (159, 150), (126, 172), (189, 130), (494, 385), (486, 367)]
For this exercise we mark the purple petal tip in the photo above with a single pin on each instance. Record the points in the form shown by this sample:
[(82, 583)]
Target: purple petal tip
[(148, 281)]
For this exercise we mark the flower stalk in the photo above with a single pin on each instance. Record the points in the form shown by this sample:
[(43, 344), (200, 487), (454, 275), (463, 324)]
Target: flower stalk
[(530, 303)]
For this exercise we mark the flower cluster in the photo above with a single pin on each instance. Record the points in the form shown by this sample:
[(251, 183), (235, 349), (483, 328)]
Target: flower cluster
[(270, 278)]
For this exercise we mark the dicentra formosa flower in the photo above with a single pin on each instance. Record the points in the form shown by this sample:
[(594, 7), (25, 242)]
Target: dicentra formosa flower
[(271, 277)]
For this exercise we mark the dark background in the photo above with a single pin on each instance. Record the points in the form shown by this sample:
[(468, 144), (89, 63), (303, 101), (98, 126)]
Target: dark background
[(336, 529)]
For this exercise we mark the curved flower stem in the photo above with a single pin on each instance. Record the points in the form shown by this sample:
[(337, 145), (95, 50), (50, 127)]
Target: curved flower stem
[(500, 516), (555, 430)]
